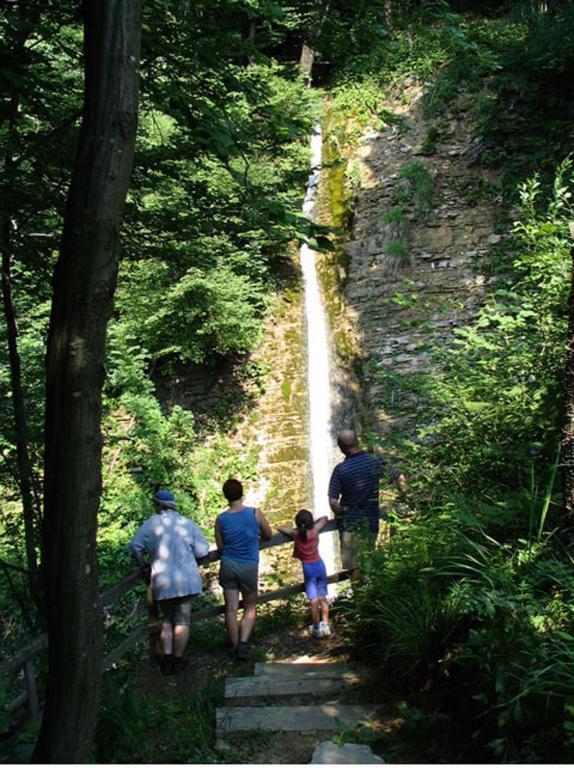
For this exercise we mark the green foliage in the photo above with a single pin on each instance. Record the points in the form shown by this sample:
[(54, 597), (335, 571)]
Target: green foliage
[(221, 161), (398, 251), (429, 145), (472, 599), (503, 377), (140, 728), (487, 623), (394, 215), (419, 187), (513, 70)]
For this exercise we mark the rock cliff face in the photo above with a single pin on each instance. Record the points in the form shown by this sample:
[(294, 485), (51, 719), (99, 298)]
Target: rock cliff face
[(425, 215)]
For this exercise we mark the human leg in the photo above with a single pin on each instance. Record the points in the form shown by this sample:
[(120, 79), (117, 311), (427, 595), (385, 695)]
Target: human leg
[(180, 638), (310, 573), (249, 616), (230, 584), (324, 608), (165, 662), (323, 605), (231, 597), (314, 609), (166, 610), (181, 621), (167, 637), (248, 577)]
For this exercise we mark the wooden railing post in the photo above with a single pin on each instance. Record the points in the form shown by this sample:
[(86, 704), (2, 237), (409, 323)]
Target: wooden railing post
[(30, 679)]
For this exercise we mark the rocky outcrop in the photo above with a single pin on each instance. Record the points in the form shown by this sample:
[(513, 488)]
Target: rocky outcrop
[(424, 217)]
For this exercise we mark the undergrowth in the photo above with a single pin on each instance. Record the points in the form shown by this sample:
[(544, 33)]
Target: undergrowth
[(468, 612)]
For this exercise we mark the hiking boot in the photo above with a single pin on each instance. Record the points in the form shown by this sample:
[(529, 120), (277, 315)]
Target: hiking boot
[(315, 630), (242, 651), (325, 628), (179, 664)]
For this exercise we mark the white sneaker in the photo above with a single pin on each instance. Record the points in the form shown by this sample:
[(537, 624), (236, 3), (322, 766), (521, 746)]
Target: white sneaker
[(315, 631), (325, 629)]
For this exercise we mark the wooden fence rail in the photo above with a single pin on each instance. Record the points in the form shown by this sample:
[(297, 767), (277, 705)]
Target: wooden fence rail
[(24, 659)]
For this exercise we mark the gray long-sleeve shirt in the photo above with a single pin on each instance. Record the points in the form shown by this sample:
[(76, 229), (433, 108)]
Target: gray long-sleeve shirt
[(173, 542)]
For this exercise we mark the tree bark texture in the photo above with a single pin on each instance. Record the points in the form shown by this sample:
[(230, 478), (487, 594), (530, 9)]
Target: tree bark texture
[(84, 284), (567, 451)]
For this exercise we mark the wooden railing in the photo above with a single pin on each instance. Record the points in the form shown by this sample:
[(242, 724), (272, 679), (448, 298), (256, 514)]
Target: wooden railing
[(24, 659)]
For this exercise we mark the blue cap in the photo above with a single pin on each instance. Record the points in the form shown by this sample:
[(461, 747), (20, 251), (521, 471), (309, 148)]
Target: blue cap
[(164, 496)]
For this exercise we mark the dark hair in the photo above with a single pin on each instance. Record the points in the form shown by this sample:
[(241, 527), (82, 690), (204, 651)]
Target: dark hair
[(304, 522), (232, 490)]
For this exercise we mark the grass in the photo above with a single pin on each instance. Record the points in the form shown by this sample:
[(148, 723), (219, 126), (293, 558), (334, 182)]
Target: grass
[(139, 728)]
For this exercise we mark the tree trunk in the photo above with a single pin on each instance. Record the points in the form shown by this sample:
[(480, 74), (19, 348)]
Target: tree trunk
[(307, 58), (567, 452), (388, 13), (20, 425), (84, 284), (306, 63)]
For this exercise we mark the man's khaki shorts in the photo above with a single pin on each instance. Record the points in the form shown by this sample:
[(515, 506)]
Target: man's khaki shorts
[(177, 610)]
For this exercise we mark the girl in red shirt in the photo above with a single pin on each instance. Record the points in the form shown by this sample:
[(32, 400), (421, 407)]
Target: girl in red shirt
[(306, 549)]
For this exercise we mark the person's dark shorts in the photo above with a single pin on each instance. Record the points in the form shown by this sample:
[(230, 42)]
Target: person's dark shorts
[(315, 579), (241, 576), (177, 610)]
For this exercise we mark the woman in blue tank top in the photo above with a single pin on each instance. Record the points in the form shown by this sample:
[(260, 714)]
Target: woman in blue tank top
[(237, 534)]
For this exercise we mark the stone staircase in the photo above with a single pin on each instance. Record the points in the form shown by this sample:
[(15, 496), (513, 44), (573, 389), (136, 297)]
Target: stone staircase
[(297, 698)]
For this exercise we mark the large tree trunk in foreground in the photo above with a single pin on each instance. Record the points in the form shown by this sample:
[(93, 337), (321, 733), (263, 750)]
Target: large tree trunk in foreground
[(84, 284), (567, 452)]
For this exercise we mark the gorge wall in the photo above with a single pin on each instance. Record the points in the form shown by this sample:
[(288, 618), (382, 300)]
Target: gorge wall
[(424, 216)]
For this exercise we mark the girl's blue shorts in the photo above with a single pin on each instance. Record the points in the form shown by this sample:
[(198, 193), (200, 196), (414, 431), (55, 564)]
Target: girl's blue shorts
[(315, 579)]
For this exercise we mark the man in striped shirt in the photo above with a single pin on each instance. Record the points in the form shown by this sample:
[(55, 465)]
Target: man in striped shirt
[(354, 495)]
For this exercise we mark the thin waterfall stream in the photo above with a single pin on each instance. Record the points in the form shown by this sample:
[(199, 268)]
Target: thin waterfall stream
[(318, 368)]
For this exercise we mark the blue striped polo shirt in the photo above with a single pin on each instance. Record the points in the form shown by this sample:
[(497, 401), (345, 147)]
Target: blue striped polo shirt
[(355, 483)]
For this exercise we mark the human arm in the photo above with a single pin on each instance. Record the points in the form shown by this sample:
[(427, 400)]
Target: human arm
[(218, 536), (395, 475), (336, 507), (286, 531), (320, 523), (137, 549), (402, 483), (334, 493), (265, 530), (199, 544)]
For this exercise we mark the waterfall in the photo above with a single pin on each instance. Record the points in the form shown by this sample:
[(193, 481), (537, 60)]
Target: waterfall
[(318, 368)]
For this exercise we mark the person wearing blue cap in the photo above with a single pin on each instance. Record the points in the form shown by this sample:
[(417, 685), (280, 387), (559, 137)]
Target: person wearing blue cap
[(173, 543)]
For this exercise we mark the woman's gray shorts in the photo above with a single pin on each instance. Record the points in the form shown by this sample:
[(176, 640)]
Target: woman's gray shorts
[(241, 576)]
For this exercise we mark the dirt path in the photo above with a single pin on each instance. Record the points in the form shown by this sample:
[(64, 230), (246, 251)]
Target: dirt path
[(281, 635)]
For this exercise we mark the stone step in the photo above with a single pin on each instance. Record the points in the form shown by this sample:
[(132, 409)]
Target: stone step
[(305, 669), (247, 690), (345, 754), (320, 717)]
